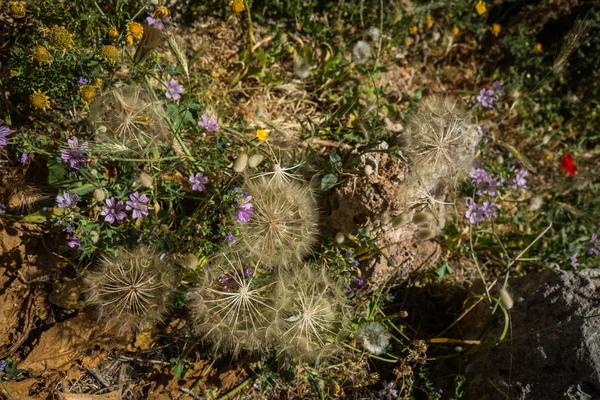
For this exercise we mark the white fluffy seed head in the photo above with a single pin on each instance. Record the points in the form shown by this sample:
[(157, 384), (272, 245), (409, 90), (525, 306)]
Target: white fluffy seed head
[(301, 68), (340, 238), (255, 159), (233, 307), (145, 180), (240, 163), (373, 337), (440, 142), (284, 225), (311, 314), (99, 194), (134, 121), (506, 299), (374, 34), (361, 52), (131, 289), (400, 220)]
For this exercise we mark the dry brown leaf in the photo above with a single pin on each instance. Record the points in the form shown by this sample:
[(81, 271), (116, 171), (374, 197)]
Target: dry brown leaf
[(60, 346)]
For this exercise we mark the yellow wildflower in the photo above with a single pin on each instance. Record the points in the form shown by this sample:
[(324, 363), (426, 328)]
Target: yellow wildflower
[(496, 29), (98, 82), (413, 29), (428, 21), (161, 12), (261, 134), (135, 30), (17, 10), (58, 36), (110, 54), (39, 100), (455, 31), (480, 7), (237, 6), (41, 54), (129, 39), (87, 93), (112, 32), (537, 48)]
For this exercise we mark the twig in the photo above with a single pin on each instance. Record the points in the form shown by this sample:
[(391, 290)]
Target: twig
[(191, 394), (99, 377)]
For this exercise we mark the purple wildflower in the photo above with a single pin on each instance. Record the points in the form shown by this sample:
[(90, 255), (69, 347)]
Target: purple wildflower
[(498, 88), (136, 204), (248, 271), (4, 132), (230, 237), (158, 23), (198, 181), (520, 179), (2, 208), (355, 263), (388, 390), (224, 278), (209, 123), (173, 89), (348, 288), (483, 182), (113, 210), (24, 158), (489, 210), (69, 229), (473, 213), (82, 81), (72, 241), (2, 365), (244, 213), (348, 254), (595, 249), (486, 98), (359, 281), (75, 153), (574, 261), (67, 200)]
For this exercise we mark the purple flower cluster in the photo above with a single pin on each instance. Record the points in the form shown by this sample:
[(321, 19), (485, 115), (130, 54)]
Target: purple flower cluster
[(72, 241), (520, 179), (595, 246), (483, 182), (4, 133), (136, 205), (24, 158), (67, 200), (476, 214), (574, 261), (209, 123), (173, 89), (245, 211), (388, 390), (158, 23), (75, 153), (198, 181), (488, 97), (113, 211)]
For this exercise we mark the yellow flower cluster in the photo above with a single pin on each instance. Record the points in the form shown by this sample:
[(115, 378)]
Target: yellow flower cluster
[(480, 7), (537, 48), (17, 10), (87, 93), (455, 31), (113, 32), (58, 36), (134, 31), (262, 135), (161, 12), (110, 54), (428, 21), (41, 54), (413, 29), (237, 6), (496, 29), (39, 100)]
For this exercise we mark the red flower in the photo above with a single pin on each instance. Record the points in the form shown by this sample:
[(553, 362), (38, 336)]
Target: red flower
[(568, 165)]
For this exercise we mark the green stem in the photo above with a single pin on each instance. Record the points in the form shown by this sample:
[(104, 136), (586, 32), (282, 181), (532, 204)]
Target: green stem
[(7, 391), (233, 392)]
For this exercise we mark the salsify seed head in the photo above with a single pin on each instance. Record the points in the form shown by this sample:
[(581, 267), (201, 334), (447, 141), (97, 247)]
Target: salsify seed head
[(131, 290), (311, 314), (373, 337), (440, 141), (133, 121), (284, 224), (233, 306)]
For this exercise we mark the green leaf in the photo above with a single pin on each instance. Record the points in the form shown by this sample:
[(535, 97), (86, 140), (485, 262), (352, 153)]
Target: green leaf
[(335, 160), (328, 181), (442, 271), (57, 174), (364, 231), (181, 367)]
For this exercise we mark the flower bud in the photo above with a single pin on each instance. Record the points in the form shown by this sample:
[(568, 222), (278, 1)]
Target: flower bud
[(400, 220), (99, 194), (425, 234), (145, 180), (240, 163), (422, 218), (340, 238), (255, 159)]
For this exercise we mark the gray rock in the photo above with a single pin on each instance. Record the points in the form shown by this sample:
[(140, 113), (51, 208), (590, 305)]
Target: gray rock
[(553, 351)]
